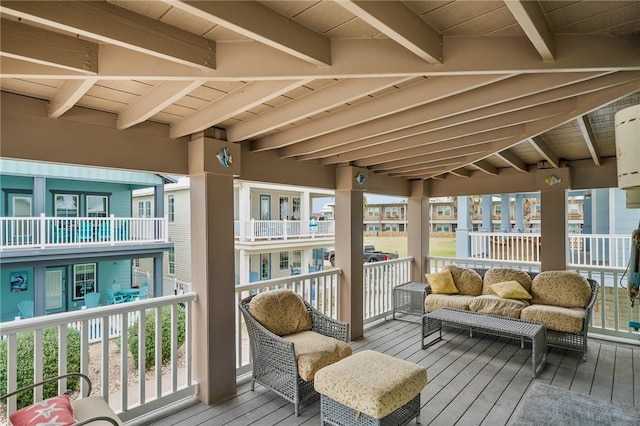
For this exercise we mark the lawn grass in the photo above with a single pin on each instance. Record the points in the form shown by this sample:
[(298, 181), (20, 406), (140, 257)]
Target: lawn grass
[(437, 246)]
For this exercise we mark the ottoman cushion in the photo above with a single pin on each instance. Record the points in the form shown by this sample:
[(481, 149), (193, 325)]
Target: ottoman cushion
[(371, 382)]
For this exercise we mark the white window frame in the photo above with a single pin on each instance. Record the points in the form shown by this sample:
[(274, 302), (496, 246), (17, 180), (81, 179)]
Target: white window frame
[(80, 287), (171, 209)]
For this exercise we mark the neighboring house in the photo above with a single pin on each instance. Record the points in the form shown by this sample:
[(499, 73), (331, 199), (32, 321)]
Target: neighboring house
[(275, 232), (66, 231)]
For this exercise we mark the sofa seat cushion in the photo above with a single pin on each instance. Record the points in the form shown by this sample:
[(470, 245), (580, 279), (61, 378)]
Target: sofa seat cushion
[(94, 406), (499, 275), (494, 305), (372, 383), (280, 311), (561, 288), (315, 351), (456, 301), (467, 281), (556, 318)]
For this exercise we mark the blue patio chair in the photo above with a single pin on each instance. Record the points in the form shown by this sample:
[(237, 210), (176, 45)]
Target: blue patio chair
[(144, 293), (85, 231), (26, 309), (92, 300), (295, 271), (253, 276), (116, 288), (112, 298), (104, 231)]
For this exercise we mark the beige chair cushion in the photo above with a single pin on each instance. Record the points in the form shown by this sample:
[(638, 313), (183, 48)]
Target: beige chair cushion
[(568, 320), (467, 281), (499, 275), (372, 383), (315, 351), (492, 304), (93, 406), (456, 301), (280, 311), (561, 288)]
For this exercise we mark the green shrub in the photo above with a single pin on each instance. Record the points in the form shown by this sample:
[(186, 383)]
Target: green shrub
[(150, 333), (24, 365)]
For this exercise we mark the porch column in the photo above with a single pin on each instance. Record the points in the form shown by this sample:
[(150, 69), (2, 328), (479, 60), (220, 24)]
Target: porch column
[(212, 267), (158, 270), (487, 205), (518, 212), (349, 242), (244, 209), (554, 184), (418, 229), (505, 213), (463, 240)]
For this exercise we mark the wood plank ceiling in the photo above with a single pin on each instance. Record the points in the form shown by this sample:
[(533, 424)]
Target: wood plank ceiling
[(411, 89)]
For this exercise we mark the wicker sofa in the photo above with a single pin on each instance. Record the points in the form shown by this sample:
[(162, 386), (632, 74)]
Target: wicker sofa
[(562, 301)]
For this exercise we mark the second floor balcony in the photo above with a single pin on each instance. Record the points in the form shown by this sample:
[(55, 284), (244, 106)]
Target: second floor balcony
[(265, 230), (20, 236)]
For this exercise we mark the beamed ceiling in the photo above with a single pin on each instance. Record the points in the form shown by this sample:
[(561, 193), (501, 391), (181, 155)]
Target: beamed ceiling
[(409, 89)]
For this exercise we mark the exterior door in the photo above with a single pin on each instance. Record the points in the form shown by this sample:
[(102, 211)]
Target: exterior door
[(21, 205), (265, 207), (55, 300)]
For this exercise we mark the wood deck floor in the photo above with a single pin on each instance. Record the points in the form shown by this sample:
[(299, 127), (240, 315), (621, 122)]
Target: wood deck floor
[(472, 381)]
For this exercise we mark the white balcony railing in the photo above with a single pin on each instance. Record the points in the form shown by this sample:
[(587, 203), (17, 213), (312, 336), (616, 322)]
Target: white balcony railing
[(379, 279), (132, 399), (583, 249), (257, 230), (48, 232)]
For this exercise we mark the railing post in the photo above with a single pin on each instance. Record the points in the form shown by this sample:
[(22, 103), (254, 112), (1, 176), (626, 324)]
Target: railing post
[(43, 231), (284, 229), (252, 227), (112, 229)]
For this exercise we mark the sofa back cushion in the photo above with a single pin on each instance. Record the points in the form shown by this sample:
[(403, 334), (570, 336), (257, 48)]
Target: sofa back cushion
[(500, 275), (467, 281), (280, 311), (561, 288)]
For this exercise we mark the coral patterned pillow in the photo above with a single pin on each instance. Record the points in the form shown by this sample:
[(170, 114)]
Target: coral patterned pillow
[(56, 410)]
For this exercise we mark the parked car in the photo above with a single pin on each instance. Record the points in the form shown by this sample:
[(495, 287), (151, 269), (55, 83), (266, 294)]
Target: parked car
[(369, 253)]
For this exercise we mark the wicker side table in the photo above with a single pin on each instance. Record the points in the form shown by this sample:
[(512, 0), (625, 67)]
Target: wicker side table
[(409, 298)]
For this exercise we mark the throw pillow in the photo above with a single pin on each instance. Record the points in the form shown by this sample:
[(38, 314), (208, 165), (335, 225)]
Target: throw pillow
[(441, 282), (56, 410), (510, 290)]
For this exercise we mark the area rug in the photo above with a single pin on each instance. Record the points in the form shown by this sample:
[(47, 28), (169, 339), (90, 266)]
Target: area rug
[(551, 405)]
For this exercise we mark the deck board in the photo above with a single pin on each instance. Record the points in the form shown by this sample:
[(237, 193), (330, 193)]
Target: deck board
[(472, 381)]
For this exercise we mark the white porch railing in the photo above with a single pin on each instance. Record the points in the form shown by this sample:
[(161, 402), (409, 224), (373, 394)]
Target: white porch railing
[(47, 232), (379, 279), (256, 230), (132, 400), (583, 249), (612, 312)]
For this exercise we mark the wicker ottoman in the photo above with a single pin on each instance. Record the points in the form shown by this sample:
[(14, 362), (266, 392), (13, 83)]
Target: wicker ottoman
[(370, 388)]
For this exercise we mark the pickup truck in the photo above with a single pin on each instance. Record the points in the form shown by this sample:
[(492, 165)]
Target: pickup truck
[(369, 254)]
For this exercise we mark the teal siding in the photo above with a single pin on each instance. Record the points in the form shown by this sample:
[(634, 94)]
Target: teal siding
[(119, 195), (9, 300), (79, 173)]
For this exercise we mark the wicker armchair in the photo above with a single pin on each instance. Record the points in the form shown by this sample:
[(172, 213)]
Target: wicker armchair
[(86, 410), (275, 364)]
